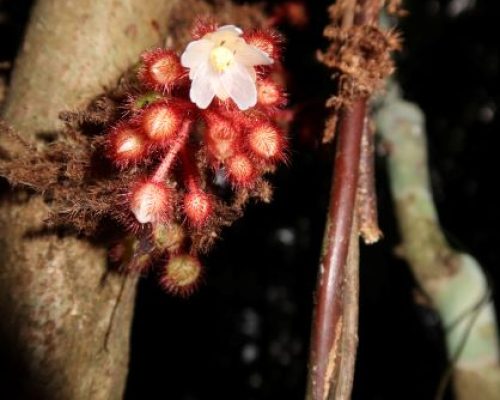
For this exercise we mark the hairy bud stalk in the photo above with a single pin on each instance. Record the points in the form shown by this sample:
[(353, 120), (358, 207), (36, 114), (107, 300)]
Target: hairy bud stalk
[(180, 140), (197, 205)]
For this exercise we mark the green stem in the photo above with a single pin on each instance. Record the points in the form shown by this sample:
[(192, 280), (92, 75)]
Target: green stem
[(453, 280)]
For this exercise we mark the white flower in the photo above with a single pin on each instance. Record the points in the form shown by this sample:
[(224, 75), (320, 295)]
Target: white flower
[(222, 64)]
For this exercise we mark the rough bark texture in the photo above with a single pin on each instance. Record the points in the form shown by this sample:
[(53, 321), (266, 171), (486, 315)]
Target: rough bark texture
[(66, 323)]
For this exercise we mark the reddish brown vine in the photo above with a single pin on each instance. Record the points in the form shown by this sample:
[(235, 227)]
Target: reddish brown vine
[(359, 55)]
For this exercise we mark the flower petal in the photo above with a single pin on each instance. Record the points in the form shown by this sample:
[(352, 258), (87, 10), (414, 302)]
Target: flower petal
[(252, 73), (219, 90), (240, 86), (196, 52), (231, 28), (202, 89), (250, 55)]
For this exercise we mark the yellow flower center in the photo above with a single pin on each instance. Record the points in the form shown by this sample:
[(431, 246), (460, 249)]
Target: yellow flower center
[(221, 58)]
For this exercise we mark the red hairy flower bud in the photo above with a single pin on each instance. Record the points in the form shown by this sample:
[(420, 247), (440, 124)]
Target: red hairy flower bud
[(198, 207), (266, 141), (161, 70), (221, 136), (168, 237), (151, 202), (126, 145), (161, 121), (270, 94), (221, 129), (293, 12), (240, 169), (201, 27), (221, 149), (182, 274), (268, 41)]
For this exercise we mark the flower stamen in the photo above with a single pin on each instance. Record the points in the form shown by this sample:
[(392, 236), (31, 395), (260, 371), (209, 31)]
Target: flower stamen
[(221, 58)]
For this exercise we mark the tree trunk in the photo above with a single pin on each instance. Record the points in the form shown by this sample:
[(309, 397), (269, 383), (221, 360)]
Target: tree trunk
[(66, 323)]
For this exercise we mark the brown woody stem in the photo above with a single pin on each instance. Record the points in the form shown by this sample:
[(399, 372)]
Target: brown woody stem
[(329, 377), (327, 324)]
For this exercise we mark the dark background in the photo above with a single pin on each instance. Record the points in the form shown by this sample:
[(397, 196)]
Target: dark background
[(244, 334)]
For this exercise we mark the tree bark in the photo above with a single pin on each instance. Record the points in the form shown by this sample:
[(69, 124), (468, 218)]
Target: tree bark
[(66, 322)]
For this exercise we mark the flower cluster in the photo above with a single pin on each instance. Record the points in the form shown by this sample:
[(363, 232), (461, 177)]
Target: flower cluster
[(203, 131)]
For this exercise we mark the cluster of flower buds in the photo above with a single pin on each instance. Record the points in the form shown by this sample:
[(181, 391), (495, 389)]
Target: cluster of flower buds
[(212, 112)]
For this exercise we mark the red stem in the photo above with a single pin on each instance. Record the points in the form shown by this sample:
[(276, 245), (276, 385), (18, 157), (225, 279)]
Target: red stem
[(190, 171), (327, 330), (328, 314), (164, 167)]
